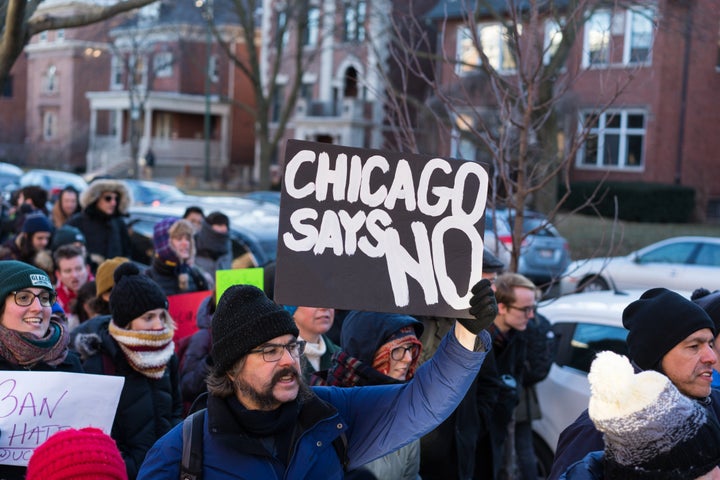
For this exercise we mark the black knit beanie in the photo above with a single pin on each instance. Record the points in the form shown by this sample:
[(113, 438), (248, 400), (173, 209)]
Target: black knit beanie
[(133, 294), (245, 319), (659, 320), (710, 302)]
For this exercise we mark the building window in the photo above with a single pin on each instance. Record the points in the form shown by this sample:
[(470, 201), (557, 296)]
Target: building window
[(214, 68), (494, 41), (597, 39), (281, 29), (616, 139), (553, 37), (354, 21), (461, 146), (619, 37), (116, 72), (639, 35), (49, 125), (50, 83), (163, 64), (60, 35), (7, 89), (138, 67), (312, 29), (43, 36)]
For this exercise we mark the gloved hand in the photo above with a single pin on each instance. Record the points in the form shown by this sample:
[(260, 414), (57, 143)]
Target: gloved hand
[(482, 306)]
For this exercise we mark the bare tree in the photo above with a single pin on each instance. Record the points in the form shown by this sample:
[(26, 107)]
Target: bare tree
[(288, 26), (19, 23), (136, 48), (505, 96)]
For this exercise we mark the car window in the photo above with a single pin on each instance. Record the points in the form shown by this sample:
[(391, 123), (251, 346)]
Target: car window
[(708, 255), (588, 339), (673, 253)]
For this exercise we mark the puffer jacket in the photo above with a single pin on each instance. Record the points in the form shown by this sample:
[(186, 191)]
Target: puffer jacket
[(106, 236), (376, 421), (148, 408)]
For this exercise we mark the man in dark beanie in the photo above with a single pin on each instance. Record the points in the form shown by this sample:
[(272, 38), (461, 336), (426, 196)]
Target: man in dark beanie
[(667, 333), (262, 421)]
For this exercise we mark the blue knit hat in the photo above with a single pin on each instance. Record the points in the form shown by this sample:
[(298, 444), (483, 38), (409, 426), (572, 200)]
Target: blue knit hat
[(36, 222)]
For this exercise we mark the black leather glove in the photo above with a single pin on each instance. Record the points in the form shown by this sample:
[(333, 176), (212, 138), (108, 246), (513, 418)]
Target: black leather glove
[(482, 306)]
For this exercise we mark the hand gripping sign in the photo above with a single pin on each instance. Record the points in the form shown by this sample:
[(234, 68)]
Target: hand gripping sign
[(383, 231)]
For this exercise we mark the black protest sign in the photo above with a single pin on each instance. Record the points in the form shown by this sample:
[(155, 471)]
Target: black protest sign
[(380, 231)]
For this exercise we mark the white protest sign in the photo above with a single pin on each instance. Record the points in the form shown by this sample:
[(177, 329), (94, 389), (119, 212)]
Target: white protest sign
[(35, 405), (376, 230)]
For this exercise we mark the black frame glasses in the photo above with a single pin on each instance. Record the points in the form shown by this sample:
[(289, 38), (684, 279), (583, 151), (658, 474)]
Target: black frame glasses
[(25, 298), (526, 310), (398, 353), (273, 352)]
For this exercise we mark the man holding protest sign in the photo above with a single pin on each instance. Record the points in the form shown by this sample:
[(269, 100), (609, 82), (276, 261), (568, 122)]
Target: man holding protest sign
[(31, 339), (361, 230), (262, 421)]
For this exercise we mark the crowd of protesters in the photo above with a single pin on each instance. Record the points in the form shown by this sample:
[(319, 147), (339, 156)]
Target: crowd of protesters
[(268, 385)]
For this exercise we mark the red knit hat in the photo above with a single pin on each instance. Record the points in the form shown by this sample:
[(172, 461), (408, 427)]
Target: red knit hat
[(83, 454)]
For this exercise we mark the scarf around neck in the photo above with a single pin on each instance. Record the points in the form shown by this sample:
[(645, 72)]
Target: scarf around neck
[(147, 351), (313, 352), (26, 350), (348, 371)]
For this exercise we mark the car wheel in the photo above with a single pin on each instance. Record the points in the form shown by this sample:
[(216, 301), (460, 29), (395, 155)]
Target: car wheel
[(543, 457), (593, 284)]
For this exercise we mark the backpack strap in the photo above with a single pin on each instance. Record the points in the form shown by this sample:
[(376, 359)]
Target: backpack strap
[(192, 452)]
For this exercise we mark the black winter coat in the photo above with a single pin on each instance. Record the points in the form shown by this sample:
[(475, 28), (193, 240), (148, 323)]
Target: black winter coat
[(105, 235), (148, 408)]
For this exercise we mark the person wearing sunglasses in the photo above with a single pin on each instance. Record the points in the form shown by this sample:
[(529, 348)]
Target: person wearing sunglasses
[(378, 349), (104, 204), (31, 337)]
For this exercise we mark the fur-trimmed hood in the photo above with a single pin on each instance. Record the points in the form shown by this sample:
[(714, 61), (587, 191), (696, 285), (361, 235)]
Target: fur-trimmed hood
[(91, 194)]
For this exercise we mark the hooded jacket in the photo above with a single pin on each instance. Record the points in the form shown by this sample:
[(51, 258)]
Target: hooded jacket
[(376, 421), (172, 274), (363, 334), (214, 250), (106, 236)]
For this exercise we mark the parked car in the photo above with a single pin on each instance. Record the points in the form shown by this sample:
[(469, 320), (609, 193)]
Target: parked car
[(9, 174), (678, 263), (51, 180), (584, 324), (147, 192), (253, 229), (271, 196), (544, 254)]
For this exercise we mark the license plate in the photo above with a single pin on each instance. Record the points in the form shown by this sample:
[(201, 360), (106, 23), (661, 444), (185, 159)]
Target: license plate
[(546, 253)]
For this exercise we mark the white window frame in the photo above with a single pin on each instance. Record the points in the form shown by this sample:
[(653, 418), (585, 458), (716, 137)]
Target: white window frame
[(163, 64), (50, 80), (50, 122), (117, 69), (466, 49), (623, 131), (644, 15), (214, 68), (620, 24), (553, 37), (313, 27)]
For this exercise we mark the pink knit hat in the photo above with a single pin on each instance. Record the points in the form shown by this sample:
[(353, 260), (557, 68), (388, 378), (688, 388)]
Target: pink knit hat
[(71, 454)]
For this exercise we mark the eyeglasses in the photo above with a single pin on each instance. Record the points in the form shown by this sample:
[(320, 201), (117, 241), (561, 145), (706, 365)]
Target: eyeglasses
[(398, 353), (526, 310), (23, 298), (273, 352), (110, 198)]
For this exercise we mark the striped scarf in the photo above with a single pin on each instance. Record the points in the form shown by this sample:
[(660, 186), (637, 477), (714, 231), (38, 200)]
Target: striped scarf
[(147, 351)]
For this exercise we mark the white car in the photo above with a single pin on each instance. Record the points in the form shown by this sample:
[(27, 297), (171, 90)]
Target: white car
[(678, 263), (584, 324)]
